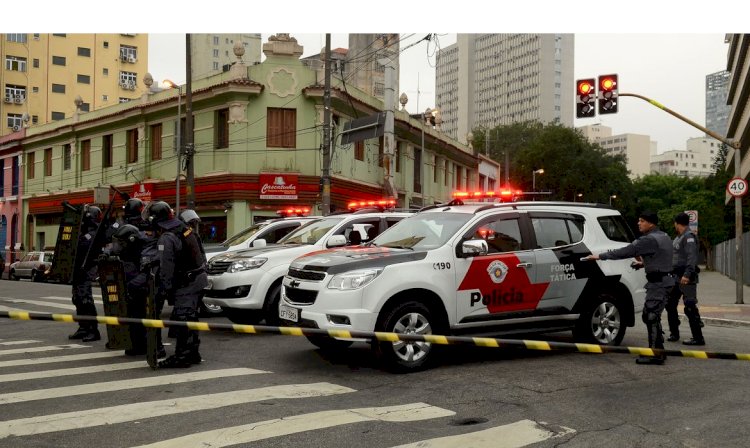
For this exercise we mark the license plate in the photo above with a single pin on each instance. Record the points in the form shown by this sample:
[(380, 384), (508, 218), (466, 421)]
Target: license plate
[(210, 284), (288, 313)]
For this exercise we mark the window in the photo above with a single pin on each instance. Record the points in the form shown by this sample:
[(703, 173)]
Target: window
[(216, 52), (30, 165), (35, 119), (555, 232), (84, 79), (58, 60), (123, 100), (503, 234), (359, 150), (59, 35), (105, 72), (281, 128), (48, 162), (216, 40), (397, 156), (66, 157), (381, 144), (36, 36), (222, 128), (131, 144), (105, 97), (616, 229), (128, 54), (57, 116), (2, 178), (417, 173), (18, 37), (58, 88), (107, 151), (128, 80), (85, 107), (216, 65), (15, 63), (15, 93), (85, 155), (156, 141), (35, 63), (14, 175), (85, 52), (447, 164), (459, 177), (105, 44), (435, 171)]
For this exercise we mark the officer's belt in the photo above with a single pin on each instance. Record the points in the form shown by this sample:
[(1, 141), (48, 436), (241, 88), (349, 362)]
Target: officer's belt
[(655, 277)]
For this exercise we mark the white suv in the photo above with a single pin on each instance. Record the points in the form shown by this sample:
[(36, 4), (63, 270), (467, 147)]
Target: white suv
[(246, 284), (472, 269)]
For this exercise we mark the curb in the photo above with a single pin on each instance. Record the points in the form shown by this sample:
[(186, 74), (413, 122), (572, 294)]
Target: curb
[(719, 322)]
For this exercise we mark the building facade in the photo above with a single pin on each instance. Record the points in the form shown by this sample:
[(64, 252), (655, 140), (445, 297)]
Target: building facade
[(364, 60), (696, 161), (486, 80), (42, 74), (258, 136), (717, 109), (738, 98), (636, 148), (11, 192), (212, 54)]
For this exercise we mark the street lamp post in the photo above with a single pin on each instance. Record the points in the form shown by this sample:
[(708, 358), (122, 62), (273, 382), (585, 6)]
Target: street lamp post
[(613, 196), (533, 178), (178, 142)]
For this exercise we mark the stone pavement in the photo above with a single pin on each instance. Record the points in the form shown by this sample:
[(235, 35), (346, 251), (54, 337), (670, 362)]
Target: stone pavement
[(717, 296)]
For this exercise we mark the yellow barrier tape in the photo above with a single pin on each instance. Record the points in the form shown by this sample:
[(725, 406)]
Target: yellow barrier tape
[(589, 348), (485, 342), (537, 345), (641, 351), (291, 331), (244, 328), (340, 334), (386, 337), (694, 354), (200, 326)]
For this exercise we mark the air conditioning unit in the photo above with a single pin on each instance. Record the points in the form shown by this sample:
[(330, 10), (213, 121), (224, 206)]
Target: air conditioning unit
[(124, 84), (8, 99), (131, 59), (19, 99), (131, 85), (16, 128)]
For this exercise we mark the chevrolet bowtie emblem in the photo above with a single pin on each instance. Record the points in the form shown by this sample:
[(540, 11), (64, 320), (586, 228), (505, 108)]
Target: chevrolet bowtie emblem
[(294, 283)]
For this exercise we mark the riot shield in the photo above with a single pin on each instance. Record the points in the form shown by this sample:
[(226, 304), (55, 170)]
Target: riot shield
[(64, 263), (152, 334), (112, 281)]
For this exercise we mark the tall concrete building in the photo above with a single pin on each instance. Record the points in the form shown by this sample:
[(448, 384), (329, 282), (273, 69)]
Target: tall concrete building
[(339, 67), (495, 79), (43, 74), (364, 58), (717, 109), (637, 148), (211, 53), (696, 161), (738, 129)]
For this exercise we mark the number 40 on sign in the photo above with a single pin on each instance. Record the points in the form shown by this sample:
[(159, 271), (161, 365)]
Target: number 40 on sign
[(737, 187)]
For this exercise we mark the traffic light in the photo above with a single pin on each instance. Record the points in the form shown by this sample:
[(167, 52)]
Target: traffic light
[(585, 98), (608, 94)]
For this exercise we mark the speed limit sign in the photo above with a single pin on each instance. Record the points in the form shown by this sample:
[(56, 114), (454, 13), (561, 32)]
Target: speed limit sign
[(737, 187)]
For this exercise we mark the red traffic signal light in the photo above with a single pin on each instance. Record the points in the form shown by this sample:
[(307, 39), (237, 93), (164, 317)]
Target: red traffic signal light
[(585, 98), (608, 94)]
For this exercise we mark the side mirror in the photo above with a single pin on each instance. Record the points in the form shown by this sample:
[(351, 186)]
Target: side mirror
[(336, 241), (474, 248), (260, 242)]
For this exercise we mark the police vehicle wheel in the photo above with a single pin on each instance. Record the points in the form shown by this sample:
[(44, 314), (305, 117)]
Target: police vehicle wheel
[(271, 307), (12, 276), (327, 344), (208, 310), (406, 318), (601, 321), (242, 317)]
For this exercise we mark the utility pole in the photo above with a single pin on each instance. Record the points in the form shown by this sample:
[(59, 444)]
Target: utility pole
[(389, 142), (326, 195), (189, 144)]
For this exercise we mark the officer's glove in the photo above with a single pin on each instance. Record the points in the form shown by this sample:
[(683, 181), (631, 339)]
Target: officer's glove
[(636, 265)]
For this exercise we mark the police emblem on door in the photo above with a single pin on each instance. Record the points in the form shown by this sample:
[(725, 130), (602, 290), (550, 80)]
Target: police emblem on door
[(497, 270)]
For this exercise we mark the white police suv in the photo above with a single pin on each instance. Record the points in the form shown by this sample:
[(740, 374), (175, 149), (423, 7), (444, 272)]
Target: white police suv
[(246, 284), (454, 269)]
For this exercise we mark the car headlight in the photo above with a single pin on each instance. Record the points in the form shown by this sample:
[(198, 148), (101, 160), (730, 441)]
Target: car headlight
[(354, 279), (248, 263)]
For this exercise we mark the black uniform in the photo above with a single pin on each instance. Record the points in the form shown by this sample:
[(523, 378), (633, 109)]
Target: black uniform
[(182, 278), (685, 265), (83, 298), (655, 248)]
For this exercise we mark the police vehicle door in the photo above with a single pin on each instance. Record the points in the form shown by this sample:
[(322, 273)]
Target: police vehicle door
[(500, 283)]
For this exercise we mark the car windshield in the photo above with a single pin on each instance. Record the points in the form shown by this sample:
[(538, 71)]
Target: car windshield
[(48, 257), (244, 235), (311, 232), (423, 231)]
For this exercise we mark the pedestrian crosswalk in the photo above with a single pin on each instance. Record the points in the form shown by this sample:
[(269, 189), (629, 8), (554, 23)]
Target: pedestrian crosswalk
[(59, 397)]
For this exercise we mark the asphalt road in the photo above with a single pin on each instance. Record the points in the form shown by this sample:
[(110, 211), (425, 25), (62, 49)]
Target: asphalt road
[(268, 391)]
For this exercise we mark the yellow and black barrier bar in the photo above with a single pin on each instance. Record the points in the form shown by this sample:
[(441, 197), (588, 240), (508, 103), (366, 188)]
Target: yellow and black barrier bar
[(380, 336)]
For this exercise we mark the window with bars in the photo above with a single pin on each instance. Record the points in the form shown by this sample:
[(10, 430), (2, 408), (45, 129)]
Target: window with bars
[(222, 128), (156, 132), (128, 54), (30, 161), (20, 38), (66, 157), (15, 121), (359, 150), (281, 128), (48, 162), (131, 144), (15, 63), (107, 151), (85, 155)]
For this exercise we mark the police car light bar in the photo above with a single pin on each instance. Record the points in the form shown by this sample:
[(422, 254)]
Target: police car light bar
[(294, 211), (502, 194), (382, 203)]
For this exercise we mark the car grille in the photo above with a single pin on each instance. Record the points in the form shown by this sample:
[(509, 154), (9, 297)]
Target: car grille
[(306, 275), (218, 267), (302, 296)]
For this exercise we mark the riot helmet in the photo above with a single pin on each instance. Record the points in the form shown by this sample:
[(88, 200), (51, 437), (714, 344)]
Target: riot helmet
[(92, 215), (133, 208), (159, 212), (125, 237), (190, 217)]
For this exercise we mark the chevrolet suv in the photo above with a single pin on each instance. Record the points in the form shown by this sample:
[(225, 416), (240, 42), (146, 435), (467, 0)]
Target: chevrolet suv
[(475, 269), (246, 284)]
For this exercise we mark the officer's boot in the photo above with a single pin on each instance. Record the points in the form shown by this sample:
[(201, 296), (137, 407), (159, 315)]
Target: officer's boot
[(655, 341), (694, 319), (193, 343), (161, 352), (80, 333), (673, 317), (92, 333), (180, 359)]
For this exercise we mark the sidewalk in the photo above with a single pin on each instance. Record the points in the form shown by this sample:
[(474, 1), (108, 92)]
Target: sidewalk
[(717, 295)]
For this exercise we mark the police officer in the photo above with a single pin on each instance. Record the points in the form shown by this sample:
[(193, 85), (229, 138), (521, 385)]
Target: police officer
[(83, 298), (182, 277), (133, 213), (685, 272), (654, 252)]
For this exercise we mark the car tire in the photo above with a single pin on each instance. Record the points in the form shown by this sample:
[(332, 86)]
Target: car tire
[(243, 317), (207, 310), (327, 344), (601, 321), (403, 357), (12, 275), (271, 306)]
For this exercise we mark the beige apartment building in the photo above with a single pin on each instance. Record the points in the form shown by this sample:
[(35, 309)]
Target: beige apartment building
[(43, 74), (212, 54), (636, 148), (696, 161)]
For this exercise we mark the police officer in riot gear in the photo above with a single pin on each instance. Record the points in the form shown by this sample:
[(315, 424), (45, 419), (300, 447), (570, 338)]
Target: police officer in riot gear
[(654, 252), (83, 298), (133, 213), (182, 277), (685, 272)]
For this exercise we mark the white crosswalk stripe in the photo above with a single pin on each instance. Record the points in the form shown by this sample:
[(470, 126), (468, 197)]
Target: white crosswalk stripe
[(15, 351), (65, 358), (42, 303), (10, 377), (28, 341)]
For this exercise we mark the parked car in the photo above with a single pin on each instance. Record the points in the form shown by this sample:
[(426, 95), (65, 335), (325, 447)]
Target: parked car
[(34, 266), (476, 269)]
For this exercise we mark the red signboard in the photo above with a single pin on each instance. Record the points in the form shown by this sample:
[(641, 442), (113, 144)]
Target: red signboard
[(143, 192), (278, 186)]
